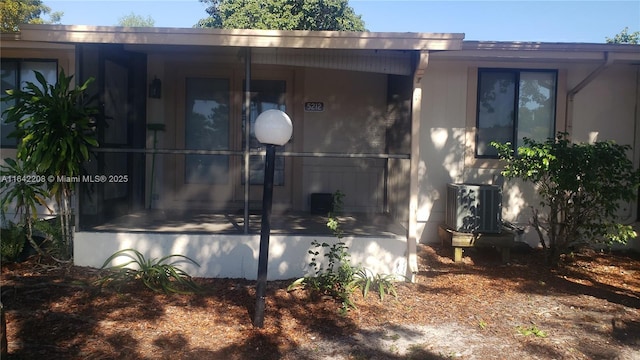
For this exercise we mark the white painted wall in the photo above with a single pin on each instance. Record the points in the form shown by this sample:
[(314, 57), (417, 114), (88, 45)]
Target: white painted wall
[(236, 256)]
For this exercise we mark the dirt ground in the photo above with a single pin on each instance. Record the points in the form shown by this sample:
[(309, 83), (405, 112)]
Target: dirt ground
[(588, 308)]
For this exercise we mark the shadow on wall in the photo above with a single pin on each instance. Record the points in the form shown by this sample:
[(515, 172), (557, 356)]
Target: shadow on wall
[(442, 162), (236, 256)]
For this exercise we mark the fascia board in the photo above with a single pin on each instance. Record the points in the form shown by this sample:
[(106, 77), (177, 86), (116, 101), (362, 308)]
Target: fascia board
[(242, 38)]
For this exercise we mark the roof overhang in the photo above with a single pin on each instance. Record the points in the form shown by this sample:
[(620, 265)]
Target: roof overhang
[(296, 39), (445, 46), (535, 51)]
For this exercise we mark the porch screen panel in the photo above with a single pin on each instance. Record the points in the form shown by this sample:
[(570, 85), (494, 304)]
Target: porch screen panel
[(116, 101), (496, 111), (207, 128), (116, 128), (265, 95)]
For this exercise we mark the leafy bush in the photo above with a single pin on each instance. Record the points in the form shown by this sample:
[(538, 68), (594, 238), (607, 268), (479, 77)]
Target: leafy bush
[(14, 238), (339, 279), (581, 188), (335, 279), (159, 275)]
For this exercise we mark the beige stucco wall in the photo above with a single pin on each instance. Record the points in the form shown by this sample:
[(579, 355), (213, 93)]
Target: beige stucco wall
[(353, 122), (442, 141), (615, 94), (603, 110)]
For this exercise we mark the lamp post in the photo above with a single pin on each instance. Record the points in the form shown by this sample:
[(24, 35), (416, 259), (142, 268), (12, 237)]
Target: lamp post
[(272, 128)]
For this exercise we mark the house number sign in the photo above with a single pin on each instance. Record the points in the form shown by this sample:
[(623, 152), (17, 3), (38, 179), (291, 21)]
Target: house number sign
[(314, 106)]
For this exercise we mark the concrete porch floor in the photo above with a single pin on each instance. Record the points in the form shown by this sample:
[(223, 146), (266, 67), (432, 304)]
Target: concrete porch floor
[(289, 223)]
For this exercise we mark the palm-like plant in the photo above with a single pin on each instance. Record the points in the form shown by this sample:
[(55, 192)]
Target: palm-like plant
[(55, 131), (24, 194)]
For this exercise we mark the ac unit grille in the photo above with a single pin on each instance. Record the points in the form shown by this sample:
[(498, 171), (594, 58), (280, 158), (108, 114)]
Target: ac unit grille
[(474, 208)]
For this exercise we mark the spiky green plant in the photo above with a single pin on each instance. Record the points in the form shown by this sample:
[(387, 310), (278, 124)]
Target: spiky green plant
[(160, 275), (364, 279)]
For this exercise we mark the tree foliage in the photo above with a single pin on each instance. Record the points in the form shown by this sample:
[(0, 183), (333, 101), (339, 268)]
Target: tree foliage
[(133, 20), (624, 37), (16, 12), (282, 15), (581, 186)]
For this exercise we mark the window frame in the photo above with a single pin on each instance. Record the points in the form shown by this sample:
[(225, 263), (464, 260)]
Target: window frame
[(19, 65), (517, 72)]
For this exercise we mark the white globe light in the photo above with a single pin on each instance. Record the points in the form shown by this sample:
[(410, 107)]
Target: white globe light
[(273, 127)]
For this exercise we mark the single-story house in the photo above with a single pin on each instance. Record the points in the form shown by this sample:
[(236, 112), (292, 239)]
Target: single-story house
[(388, 119)]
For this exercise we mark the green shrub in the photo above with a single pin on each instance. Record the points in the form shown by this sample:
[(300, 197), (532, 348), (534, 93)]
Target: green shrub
[(339, 279), (581, 187), (159, 275), (13, 239), (333, 280)]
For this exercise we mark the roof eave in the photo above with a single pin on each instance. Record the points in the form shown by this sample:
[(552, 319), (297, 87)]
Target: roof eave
[(242, 37), (538, 51)]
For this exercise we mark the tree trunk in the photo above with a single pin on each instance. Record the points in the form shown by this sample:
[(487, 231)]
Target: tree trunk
[(29, 234), (3, 334)]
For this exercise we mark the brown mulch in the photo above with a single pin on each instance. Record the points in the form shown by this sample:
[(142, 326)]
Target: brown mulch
[(587, 308)]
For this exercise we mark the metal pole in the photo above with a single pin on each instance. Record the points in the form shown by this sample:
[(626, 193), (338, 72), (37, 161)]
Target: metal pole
[(265, 229), (247, 137)]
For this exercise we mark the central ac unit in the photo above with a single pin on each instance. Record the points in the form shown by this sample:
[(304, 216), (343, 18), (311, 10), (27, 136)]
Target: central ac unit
[(474, 208)]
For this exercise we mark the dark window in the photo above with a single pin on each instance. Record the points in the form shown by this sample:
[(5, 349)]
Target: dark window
[(513, 105), (17, 73)]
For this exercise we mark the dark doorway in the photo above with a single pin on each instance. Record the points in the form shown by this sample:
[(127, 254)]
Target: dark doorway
[(119, 91)]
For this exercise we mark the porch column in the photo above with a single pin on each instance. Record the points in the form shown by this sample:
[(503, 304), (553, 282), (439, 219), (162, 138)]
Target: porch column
[(416, 106)]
